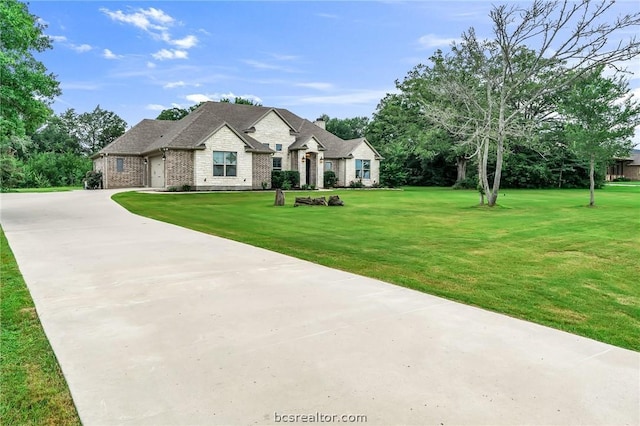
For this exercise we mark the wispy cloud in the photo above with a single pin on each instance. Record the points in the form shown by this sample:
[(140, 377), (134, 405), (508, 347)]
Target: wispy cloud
[(327, 15), (316, 85), (155, 107), (346, 98), (81, 48), (58, 39), (267, 66), (431, 40), (157, 24), (166, 54), (149, 20), (174, 84), (89, 86)]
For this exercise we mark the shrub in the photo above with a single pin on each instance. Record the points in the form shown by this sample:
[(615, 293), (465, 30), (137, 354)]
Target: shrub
[(330, 179), (280, 177), (621, 179), (93, 179), (470, 182), (172, 189), (185, 188), (356, 184)]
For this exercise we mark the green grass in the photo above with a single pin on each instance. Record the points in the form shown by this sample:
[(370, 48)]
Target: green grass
[(49, 189), (32, 388), (541, 255)]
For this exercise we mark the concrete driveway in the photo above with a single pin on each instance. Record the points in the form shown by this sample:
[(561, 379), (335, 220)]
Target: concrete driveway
[(155, 324)]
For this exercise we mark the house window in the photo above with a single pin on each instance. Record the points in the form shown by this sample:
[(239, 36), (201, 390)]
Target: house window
[(277, 163), (225, 163), (363, 169), (278, 147), (328, 165), (120, 164)]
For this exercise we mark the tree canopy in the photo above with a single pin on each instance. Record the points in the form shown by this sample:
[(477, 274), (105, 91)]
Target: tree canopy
[(27, 88)]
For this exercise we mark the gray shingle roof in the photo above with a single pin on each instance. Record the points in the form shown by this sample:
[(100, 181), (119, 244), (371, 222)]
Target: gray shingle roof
[(136, 139), (191, 131)]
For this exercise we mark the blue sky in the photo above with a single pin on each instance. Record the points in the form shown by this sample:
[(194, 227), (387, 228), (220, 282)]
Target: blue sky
[(338, 58)]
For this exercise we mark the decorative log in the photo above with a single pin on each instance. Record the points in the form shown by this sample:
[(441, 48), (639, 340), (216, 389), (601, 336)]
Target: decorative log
[(308, 201), (334, 200), (279, 197)]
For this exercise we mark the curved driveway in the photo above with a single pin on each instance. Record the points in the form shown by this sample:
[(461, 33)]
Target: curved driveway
[(156, 324)]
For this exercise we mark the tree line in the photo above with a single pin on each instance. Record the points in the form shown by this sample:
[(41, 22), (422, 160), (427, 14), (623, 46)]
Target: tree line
[(541, 103), (37, 148)]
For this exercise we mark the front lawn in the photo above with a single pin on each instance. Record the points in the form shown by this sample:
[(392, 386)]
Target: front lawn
[(541, 255)]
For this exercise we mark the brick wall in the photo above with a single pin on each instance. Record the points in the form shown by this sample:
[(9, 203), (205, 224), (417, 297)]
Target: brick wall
[(261, 170), (131, 176), (179, 168)]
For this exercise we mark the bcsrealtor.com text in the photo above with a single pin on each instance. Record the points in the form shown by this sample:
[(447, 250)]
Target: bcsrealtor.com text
[(318, 417)]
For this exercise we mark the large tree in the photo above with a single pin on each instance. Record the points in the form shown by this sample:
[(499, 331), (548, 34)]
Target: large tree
[(27, 88), (536, 52), (94, 130), (346, 128), (600, 116)]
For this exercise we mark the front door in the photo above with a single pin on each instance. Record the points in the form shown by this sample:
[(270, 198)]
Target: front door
[(157, 172)]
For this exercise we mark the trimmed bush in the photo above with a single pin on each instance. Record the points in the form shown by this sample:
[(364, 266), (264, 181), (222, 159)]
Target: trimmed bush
[(330, 179), (285, 179)]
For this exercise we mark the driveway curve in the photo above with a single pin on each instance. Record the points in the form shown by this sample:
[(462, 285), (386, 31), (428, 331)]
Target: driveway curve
[(160, 325)]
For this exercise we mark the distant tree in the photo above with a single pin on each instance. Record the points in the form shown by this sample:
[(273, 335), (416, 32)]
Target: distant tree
[(56, 136), (94, 130), (241, 101), (173, 114), (600, 117), (26, 89), (346, 128)]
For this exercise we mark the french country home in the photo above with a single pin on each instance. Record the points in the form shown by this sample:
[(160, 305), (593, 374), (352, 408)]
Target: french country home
[(227, 146)]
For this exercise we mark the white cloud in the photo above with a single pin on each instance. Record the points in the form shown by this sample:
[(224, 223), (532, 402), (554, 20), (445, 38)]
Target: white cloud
[(165, 54), (81, 48), (153, 21), (327, 15), (316, 85), (108, 54), (174, 84), (145, 19), (196, 98), (431, 40), (155, 107), (185, 43), (59, 39), (151, 65)]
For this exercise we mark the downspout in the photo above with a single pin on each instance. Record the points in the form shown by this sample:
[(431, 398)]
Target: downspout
[(106, 171)]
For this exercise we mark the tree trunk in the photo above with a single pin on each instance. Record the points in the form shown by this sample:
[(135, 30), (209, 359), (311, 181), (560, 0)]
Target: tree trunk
[(485, 177), (461, 163), (480, 186), (498, 175), (279, 197), (592, 182)]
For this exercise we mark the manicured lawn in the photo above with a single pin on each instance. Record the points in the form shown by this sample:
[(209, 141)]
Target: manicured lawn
[(541, 255), (32, 388)]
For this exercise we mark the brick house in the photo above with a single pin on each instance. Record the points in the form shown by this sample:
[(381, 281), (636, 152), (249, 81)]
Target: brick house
[(226, 146), (627, 167)]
